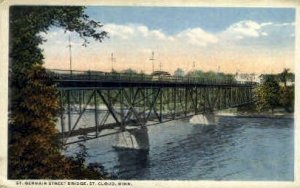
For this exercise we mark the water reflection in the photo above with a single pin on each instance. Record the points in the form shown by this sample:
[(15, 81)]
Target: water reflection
[(132, 151), (131, 162)]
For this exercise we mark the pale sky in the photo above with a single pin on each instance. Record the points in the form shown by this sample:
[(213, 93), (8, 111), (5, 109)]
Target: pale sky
[(253, 40)]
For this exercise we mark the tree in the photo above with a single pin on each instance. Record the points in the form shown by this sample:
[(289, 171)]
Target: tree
[(267, 94), (211, 75), (33, 148), (284, 76), (129, 71), (287, 97), (179, 72), (287, 92)]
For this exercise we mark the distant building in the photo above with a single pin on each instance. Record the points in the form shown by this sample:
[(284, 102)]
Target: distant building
[(158, 75), (246, 77)]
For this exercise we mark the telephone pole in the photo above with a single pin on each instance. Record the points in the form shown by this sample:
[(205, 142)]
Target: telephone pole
[(70, 53), (112, 61), (152, 59), (194, 65)]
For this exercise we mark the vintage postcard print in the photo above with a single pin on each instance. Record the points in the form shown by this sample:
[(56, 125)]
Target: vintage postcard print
[(110, 94)]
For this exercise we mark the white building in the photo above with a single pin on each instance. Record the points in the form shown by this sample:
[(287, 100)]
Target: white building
[(246, 77)]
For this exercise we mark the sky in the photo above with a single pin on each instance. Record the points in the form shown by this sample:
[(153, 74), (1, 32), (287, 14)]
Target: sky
[(230, 40)]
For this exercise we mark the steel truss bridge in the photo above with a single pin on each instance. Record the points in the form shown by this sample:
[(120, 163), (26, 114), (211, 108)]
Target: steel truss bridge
[(117, 101)]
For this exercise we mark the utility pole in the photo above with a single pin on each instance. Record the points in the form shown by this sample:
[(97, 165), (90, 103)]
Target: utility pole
[(112, 61), (160, 66), (152, 59), (194, 65), (70, 53)]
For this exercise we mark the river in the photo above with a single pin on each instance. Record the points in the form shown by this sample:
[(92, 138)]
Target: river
[(235, 149)]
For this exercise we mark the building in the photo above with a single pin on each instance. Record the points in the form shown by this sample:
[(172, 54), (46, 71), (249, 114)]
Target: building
[(246, 77)]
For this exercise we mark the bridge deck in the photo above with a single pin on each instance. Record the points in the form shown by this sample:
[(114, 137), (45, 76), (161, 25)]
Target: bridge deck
[(80, 79)]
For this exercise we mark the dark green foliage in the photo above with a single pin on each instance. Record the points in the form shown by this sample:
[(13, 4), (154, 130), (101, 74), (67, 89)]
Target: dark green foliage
[(287, 98), (92, 171), (286, 76), (267, 94), (283, 77), (129, 71), (250, 108), (211, 75), (34, 150), (179, 72), (274, 91)]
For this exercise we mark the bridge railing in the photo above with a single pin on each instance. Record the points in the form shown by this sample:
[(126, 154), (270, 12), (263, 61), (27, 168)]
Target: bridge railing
[(104, 76)]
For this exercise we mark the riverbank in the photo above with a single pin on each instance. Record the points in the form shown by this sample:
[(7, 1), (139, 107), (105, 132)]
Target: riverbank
[(278, 114)]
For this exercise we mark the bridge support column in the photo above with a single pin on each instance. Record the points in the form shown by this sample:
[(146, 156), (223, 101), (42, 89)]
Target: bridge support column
[(204, 119), (69, 111), (185, 101), (96, 114), (160, 104), (196, 100), (174, 102), (137, 139), (122, 109)]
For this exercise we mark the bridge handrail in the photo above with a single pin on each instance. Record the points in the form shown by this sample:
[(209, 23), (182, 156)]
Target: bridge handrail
[(97, 75)]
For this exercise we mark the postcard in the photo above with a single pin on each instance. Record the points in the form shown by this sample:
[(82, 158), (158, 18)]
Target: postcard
[(149, 94)]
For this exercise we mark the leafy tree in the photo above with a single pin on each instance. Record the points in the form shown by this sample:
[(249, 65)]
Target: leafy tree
[(287, 96), (283, 76), (129, 71), (33, 148), (196, 73), (179, 72), (211, 75), (267, 94)]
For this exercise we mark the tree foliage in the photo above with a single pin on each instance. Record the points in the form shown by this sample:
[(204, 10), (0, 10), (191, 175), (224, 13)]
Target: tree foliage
[(267, 94), (129, 71), (33, 149), (179, 72), (211, 75), (287, 98), (283, 76), (271, 94)]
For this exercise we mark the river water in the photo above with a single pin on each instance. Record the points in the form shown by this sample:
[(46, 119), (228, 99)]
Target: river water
[(235, 149)]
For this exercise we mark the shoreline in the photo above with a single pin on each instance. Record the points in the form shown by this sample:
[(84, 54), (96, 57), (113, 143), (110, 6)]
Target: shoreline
[(257, 115)]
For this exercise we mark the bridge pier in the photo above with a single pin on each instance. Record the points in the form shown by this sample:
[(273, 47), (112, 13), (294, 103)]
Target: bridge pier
[(133, 139), (204, 119)]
